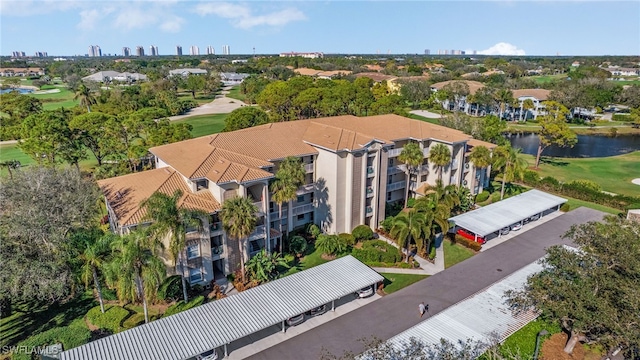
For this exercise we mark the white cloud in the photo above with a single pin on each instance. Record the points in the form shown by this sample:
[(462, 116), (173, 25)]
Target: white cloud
[(36, 7), (172, 24), (242, 17), (129, 18), (502, 48), (88, 19)]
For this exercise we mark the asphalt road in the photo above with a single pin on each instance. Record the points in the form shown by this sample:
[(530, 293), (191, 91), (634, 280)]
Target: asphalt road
[(397, 312)]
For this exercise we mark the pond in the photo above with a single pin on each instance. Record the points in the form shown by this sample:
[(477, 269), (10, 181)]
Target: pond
[(587, 146), (20, 90)]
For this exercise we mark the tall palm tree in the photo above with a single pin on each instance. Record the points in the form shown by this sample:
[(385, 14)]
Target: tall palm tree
[(171, 221), (440, 156), (136, 271), (507, 159), (412, 156), (504, 97), (85, 96), (480, 157), (525, 106), (436, 209), (239, 219), (289, 177), (407, 226), (93, 258)]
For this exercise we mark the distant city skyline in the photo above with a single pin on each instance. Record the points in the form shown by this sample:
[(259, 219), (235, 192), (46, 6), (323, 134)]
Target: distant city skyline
[(499, 27)]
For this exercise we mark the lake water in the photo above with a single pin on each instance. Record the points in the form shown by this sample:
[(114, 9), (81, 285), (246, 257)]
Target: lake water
[(20, 90), (587, 146)]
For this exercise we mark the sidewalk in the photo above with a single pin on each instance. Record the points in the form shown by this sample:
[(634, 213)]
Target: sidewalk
[(426, 267)]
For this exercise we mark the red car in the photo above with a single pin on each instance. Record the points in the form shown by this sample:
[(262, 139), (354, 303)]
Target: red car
[(467, 235)]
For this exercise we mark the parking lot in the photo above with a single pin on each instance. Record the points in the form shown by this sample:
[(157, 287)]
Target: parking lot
[(493, 239)]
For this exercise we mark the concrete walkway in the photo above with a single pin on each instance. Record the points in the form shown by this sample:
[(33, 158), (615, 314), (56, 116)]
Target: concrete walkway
[(220, 105), (425, 113), (426, 267)]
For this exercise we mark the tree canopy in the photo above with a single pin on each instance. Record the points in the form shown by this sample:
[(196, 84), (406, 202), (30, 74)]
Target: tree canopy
[(245, 117)]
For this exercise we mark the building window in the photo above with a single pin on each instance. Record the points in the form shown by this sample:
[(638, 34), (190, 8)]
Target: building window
[(423, 178), (300, 217), (388, 196), (254, 246), (390, 162), (390, 179), (193, 251), (195, 275), (202, 184), (300, 198), (311, 216), (311, 197)]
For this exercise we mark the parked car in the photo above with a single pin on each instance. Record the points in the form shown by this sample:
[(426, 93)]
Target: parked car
[(208, 355), (296, 320), (535, 217), (365, 292), (516, 227), (505, 231), (467, 235), (318, 311)]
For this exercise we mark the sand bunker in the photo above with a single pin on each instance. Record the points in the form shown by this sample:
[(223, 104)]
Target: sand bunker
[(636, 181)]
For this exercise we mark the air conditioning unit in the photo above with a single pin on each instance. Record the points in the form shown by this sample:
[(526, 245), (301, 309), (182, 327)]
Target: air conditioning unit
[(466, 165), (464, 182)]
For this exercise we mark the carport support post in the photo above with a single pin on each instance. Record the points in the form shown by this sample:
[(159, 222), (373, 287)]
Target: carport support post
[(333, 305), (225, 351), (282, 325)]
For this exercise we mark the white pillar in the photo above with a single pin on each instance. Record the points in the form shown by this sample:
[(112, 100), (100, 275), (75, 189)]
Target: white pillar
[(283, 326), (333, 305), (226, 354)]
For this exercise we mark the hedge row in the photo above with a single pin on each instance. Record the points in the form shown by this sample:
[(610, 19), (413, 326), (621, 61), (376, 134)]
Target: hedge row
[(362, 233), (70, 337), (180, 306), (581, 190), (133, 321), (377, 251), (111, 320), (475, 246)]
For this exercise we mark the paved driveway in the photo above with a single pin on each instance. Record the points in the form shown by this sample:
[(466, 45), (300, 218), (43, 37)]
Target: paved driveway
[(399, 311)]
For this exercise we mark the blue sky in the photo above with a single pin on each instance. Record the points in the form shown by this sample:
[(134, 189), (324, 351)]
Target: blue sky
[(573, 27)]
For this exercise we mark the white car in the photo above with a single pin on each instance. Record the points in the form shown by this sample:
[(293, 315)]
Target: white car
[(516, 227), (209, 355), (365, 292), (505, 231)]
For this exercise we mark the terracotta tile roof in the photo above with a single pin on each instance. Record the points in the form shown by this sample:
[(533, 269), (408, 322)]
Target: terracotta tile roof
[(334, 73), (476, 142), (374, 67), (377, 77), (307, 72), (412, 78), (540, 94), (125, 193), (473, 85)]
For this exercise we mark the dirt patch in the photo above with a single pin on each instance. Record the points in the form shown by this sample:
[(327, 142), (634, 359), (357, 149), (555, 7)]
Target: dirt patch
[(553, 349), (328, 257)]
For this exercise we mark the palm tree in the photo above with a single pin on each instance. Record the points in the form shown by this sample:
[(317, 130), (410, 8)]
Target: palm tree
[(239, 219), (525, 106), (93, 258), (172, 221), (480, 157), (330, 244), (436, 209), (136, 271), (263, 266), (512, 165), (407, 226), (412, 156), (85, 96), (504, 97), (290, 175), (440, 156)]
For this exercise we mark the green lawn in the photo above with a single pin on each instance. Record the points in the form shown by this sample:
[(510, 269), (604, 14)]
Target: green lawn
[(53, 101), (425, 119), (200, 98), (234, 93), (395, 282), (205, 124), (455, 253), (28, 320), (313, 258), (547, 78), (613, 173), (523, 341), (11, 152), (575, 203)]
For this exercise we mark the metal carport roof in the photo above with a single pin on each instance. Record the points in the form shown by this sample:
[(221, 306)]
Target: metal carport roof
[(479, 317), (493, 217), (220, 322)]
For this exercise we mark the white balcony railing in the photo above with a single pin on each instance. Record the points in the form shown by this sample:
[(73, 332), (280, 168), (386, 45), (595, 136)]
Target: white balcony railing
[(308, 168), (305, 189), (371, 172), (424, 168), (425, 152), (396, 169), (302, 209), (258, 204), (276, 215), (370, 191), (454, 164), (258, 233), (395, 152), (396, 185)]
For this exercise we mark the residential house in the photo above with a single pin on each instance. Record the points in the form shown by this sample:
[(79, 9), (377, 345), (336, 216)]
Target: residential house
[(187, 71), (620, 71), (352, 173), (22, 72), (230, 79), (537, 96), (321, 74), (308, 55), (109, 75), (460, 102)]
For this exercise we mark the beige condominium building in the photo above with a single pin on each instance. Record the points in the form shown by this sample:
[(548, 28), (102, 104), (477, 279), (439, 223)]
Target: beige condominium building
[(352, 172)]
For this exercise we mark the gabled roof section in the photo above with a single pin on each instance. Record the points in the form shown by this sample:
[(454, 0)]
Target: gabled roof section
[(540, 94), (125, 193), (474, 86)]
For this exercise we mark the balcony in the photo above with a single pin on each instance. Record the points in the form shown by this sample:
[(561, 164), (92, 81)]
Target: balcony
[(369, 210), (302, 209), (305, 189), (258, 204), (467, 167), (276, 215), (396, 169), (258, 233), (396, 185), (217, 252), (395, 152), (369, 191), (216, 226), (454, 165), (308, 168), (424, 168), (193, 235), (425, 152), (371, 172)]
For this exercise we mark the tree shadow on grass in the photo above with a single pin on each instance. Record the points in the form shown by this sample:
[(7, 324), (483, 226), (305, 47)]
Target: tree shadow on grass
[(553, 161)]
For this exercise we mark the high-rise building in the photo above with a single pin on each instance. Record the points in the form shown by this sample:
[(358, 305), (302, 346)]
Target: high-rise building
[(427, 51), (178, 50), (126, 51), (40, 54), (211, 50), (139, 50), (194, 50), (226, 50), (153, 50), (94, 51), (18, 54)]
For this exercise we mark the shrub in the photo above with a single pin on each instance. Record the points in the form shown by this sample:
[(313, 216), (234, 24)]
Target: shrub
[(432, 253), (363, 232), (495, 197), (549, 183), (387, 224), (411, 202), (111, 320), (133, 321), (70, 336), (531, 177), (180, 306), (585, 184), (565, 207), (170, 289), (330, 244), (377, 251), (108, 294), (621, 117), (347, 239), (313, 230), (482, 197), (297, 245), (475, 246)]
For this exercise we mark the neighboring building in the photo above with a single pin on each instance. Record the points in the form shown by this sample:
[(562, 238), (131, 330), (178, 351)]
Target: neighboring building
[(535, 95), (194, 50), (427, 51), (108, 76), (139, 50), (322, 74), (126, 51), (22, 72), (633, 214), (377, 77), (153, 50), (308, 55), (187, 71), (575, 63), (40, 54), (352, 171), (226, 50), (211, 50), (620, 71), (229, 79), (18, 54), (460, 102), (178, 50), (94, 51)]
